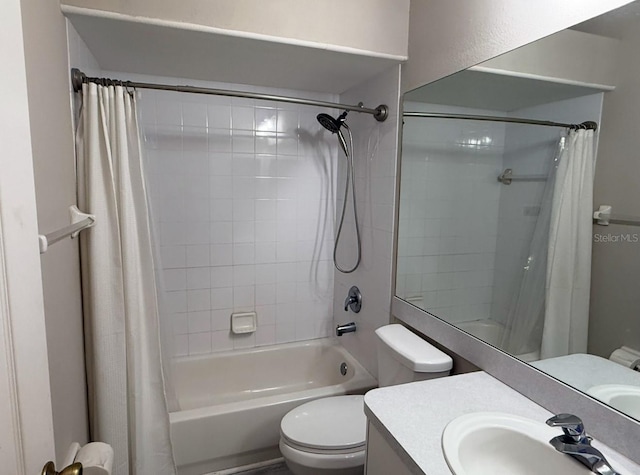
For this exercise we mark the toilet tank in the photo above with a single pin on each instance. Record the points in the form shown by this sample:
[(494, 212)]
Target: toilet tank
[(404, 357)]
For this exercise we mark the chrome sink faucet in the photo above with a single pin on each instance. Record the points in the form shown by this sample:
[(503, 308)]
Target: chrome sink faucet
[(576, 443)]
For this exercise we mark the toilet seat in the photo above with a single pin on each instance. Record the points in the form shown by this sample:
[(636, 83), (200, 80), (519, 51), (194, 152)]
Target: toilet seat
[(329, 426)]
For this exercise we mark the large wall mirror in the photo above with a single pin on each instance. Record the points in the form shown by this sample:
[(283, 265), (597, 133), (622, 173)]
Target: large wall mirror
[(496, 232)]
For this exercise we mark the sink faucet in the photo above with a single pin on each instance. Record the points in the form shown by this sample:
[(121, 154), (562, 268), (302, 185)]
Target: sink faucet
[(576, 443)]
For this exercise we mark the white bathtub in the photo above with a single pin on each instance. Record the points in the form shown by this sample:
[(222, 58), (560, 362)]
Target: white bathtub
[(231, 403), (491, 332)]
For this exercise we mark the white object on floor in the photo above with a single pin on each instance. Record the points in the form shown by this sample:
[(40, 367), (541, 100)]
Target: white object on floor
[(96, 458), (244, 322), (626, 357)]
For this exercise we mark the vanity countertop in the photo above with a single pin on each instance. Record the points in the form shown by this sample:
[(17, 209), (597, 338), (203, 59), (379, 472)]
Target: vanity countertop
[(584, 371), (411, 417)]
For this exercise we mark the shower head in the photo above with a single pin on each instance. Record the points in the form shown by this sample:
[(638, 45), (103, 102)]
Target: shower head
[(331, 124)]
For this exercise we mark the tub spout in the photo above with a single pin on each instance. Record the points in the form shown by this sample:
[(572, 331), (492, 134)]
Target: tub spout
[(345, 328)]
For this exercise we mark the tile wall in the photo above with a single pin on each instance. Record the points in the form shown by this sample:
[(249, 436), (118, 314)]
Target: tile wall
[(449, 212), (242, 195)]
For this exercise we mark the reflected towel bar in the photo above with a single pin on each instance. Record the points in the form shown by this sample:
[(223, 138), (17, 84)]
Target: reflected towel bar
[(507, 176), (603, 216), (79, 221), (621, 220)]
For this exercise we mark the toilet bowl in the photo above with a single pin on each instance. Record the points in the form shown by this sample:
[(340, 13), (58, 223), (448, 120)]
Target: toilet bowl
[(325, 436), (328, 436)]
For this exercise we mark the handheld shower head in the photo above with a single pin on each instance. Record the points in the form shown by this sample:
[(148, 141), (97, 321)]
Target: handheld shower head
[(331, 124), (334, 126)]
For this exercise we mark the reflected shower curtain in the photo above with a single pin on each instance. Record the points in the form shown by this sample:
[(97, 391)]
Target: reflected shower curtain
[(551, 310), (523, 331), (566, 319), (126, 394)]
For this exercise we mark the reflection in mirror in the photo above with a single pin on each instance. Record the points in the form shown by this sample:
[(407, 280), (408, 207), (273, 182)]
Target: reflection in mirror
[(496, 229)]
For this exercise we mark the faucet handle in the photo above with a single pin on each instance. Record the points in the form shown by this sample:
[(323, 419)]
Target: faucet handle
[(571, 425)]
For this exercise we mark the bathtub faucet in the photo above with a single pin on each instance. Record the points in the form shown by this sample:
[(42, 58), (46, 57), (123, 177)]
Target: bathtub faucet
[(345, 328)]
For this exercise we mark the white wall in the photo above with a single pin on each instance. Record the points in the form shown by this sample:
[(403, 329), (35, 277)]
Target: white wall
[(54, 171), (242, 193), (445, 37), (372, 25), (449, 212), (26, 422), (376, 153), (615, 300)]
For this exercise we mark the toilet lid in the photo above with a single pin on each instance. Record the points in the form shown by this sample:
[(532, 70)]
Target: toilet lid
[(329, 423)]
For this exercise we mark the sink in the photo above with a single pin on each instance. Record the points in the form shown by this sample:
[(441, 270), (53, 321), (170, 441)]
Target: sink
[(494, 443), (623, 397)]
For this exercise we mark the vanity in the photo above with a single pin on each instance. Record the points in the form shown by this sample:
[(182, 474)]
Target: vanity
[(406, 423)]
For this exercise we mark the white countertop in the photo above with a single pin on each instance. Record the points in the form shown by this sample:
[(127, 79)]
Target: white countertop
[(411, 417), (586, 371)]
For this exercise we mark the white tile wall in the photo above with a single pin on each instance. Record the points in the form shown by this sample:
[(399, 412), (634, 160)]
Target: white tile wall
[(449, 212), (242, 194)]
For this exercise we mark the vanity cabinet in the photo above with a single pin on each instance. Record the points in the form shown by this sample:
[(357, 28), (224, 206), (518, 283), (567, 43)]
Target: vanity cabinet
[(381, 458)]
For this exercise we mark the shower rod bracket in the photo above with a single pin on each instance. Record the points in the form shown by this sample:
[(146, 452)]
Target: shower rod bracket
[(382, 112), (78, 78)]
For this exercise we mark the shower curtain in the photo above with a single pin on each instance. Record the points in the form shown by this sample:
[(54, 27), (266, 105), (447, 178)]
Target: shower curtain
[(523, 330), (550, 312), (126, 394), (566, 318)]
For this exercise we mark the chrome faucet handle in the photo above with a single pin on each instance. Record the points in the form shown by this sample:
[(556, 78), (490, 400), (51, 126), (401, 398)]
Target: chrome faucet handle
[(572, 426), (576, 443), (353, 300)]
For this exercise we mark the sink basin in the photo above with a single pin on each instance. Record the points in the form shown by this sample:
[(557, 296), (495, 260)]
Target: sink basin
[(494, 443), (620, 396)]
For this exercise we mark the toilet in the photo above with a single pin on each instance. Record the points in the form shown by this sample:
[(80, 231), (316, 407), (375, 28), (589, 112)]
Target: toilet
[(328, 436)]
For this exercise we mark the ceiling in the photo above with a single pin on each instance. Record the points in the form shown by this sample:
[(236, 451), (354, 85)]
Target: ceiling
[(482, 90), (144, 48), (614, 24)]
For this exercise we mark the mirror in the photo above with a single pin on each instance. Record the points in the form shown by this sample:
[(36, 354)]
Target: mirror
[(495, 234)]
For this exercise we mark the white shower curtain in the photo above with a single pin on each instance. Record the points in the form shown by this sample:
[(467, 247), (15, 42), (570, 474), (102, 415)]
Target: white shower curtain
[(566, 319), (126, 394), (523, 330)]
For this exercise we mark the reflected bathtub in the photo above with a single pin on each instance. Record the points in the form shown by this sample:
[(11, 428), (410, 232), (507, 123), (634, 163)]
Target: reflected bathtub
[(231, 403), (490, 332)]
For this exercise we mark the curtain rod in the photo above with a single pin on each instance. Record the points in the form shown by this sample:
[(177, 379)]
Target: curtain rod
[(588, 125), (78, 78)]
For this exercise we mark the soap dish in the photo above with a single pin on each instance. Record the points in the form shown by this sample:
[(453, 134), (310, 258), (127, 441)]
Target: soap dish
[(244, 322)]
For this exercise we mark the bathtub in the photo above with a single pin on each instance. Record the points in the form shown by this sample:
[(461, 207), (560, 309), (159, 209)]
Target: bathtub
[(231, 403), (490, 332)]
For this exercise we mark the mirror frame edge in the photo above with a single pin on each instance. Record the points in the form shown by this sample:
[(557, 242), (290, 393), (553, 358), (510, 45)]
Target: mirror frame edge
[(611, 427)]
